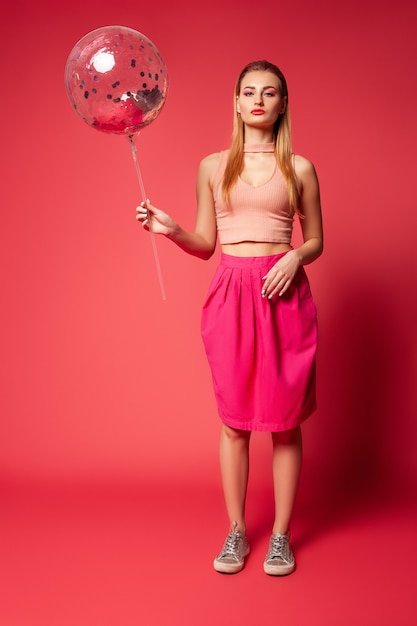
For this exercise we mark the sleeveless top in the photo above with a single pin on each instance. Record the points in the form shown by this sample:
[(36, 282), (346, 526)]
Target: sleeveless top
[(254, 213)]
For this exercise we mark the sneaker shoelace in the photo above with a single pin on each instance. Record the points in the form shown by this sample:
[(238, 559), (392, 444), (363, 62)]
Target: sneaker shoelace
[(232, 545), (279, 548)]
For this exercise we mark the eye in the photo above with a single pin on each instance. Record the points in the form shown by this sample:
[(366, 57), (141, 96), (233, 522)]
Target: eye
[(248, 92), (269, 93)]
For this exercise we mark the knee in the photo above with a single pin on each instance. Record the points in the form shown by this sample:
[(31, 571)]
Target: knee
[(235, 435)]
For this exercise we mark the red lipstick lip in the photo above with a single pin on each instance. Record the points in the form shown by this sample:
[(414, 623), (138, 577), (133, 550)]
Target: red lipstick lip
[(257, 112)]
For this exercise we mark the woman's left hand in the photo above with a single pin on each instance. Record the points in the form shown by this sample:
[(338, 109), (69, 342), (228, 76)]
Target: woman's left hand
[(280, 276)]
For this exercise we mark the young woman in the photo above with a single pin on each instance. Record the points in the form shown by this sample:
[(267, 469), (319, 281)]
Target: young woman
[(259, 321)]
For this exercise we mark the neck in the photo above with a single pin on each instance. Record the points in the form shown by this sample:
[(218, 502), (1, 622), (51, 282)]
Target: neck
[(258, 140), (257, 135), (259, 147)]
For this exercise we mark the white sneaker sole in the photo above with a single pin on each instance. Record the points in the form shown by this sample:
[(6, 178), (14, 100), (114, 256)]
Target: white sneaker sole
[(228, 568), (280, 570)]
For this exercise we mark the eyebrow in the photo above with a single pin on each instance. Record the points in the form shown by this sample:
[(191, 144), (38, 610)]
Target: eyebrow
[(267, 87)]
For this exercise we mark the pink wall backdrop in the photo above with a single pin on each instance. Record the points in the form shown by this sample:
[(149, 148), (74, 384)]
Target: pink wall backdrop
[(99, 376)]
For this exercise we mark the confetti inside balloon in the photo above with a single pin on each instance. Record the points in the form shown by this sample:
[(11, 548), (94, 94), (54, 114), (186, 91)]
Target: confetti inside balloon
[(116, 80)]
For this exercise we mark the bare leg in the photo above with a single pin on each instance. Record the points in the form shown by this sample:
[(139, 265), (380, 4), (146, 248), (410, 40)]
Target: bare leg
[(234, 466), (286, 466)]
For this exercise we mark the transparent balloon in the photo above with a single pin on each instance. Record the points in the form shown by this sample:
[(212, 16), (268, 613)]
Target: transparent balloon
[(116, 80)]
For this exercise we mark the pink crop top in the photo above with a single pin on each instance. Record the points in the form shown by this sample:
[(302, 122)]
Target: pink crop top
[(259, 213)]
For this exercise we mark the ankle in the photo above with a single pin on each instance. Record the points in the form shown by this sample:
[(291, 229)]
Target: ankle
[(238, 527)]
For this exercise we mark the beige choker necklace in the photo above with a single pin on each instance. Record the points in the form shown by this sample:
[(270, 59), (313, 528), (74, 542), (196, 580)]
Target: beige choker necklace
[(259, 147)]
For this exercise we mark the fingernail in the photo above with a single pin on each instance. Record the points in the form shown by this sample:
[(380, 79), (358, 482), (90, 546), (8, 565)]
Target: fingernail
[(269, 297), (263, 293)]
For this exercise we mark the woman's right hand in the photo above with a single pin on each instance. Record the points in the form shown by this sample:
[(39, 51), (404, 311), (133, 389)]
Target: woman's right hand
[(160, 222)]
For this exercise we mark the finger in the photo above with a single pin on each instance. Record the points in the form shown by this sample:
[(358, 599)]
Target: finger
[(273, 292), (268, 285), (278, 285), (272, 280), (269, 289), (285, 287)]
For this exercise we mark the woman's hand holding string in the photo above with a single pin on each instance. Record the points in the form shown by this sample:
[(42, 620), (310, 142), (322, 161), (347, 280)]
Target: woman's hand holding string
[(154, 219)]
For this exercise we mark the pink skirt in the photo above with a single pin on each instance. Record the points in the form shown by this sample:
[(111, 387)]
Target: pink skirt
[(262, 353)]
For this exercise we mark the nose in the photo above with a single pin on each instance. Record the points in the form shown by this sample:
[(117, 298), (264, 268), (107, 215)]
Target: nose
[(259, 99)]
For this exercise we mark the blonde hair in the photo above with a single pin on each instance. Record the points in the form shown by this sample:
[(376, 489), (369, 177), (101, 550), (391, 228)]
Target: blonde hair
[(282, 138)]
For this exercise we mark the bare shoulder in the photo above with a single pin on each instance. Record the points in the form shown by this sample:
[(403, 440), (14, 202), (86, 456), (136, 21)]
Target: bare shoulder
[(208, 166), (210, 162), (306, 173), (303, 167)]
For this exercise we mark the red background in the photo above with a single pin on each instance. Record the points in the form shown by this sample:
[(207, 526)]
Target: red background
[(105, 387)]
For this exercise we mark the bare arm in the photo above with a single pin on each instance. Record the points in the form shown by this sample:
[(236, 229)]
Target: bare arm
[(279, 278), (202, 241), (310, 206)]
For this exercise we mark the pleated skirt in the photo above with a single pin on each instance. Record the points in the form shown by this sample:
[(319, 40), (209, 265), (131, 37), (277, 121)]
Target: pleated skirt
[(262, 353)]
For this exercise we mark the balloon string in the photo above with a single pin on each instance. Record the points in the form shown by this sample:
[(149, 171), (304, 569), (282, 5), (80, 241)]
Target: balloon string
[(152, 235)]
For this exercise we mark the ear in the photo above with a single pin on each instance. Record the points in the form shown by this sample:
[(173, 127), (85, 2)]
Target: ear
[(283, 106), (237, 105)]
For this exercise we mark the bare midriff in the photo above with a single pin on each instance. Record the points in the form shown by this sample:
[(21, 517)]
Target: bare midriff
[(254, 248)]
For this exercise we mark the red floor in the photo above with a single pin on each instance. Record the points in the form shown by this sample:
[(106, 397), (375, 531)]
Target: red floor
[(91, 555)]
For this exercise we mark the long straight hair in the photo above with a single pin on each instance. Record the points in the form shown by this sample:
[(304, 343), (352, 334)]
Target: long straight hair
[(282, 139)]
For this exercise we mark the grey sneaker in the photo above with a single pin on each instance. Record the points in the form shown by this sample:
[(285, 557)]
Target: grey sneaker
[(232, 557), (280, 560)]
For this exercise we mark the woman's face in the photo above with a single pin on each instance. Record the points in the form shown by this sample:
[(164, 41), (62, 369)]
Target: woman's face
[(259, 101)]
